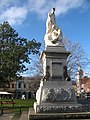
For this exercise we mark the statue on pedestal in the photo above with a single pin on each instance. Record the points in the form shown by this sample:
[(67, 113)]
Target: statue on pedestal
[(53, 36), (56, 93)]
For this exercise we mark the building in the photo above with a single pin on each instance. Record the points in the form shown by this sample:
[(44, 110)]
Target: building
[(11, 89), (83, 84), (27, 86)]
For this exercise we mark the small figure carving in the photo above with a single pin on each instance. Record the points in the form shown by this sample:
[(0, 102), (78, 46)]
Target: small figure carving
[(53, 34), (65, 74), (47, 76)]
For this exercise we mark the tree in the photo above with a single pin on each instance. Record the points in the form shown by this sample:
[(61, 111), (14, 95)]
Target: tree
[(77, 57), (14, 53), (37, 67)]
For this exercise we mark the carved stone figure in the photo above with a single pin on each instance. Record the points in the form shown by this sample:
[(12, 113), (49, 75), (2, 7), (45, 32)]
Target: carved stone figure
[(47, 76), (53, 36), (65, 74)]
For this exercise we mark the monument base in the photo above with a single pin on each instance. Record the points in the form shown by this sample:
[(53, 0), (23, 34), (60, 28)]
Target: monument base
[(63, 108), (57, 116), (56, 97)]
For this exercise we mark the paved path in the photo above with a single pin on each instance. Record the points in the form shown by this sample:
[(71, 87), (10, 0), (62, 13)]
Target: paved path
[(24, 116), (7, 116), (15, 116)]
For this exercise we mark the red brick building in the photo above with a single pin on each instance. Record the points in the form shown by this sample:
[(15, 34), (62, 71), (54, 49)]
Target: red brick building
[(82, 83), (85, 85)]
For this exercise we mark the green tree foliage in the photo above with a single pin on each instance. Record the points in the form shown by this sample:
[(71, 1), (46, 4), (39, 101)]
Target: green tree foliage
[(14, 53)]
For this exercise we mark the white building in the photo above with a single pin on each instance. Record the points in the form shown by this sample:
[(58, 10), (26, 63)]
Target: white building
[(28, 87)]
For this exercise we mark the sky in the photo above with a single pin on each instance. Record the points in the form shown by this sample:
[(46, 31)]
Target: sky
[(28, 18)]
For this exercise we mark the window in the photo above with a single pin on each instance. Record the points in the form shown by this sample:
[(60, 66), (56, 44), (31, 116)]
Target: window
[(12, 85), (29, 85), (19, 85), (24, 85)]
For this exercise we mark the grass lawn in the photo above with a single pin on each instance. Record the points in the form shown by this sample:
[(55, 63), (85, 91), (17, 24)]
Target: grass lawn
[(24, 104)]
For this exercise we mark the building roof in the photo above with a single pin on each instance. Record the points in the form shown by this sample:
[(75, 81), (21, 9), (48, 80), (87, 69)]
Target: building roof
[(84, 80)]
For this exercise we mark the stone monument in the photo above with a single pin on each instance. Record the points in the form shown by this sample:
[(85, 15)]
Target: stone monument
[(55, 93)]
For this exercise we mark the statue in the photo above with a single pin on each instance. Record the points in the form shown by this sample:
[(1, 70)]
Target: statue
[(65, 74), (47, 75), (53, 36)]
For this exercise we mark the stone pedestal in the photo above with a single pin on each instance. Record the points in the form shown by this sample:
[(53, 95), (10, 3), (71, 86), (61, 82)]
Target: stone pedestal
[(56, 58), (55, 95)]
